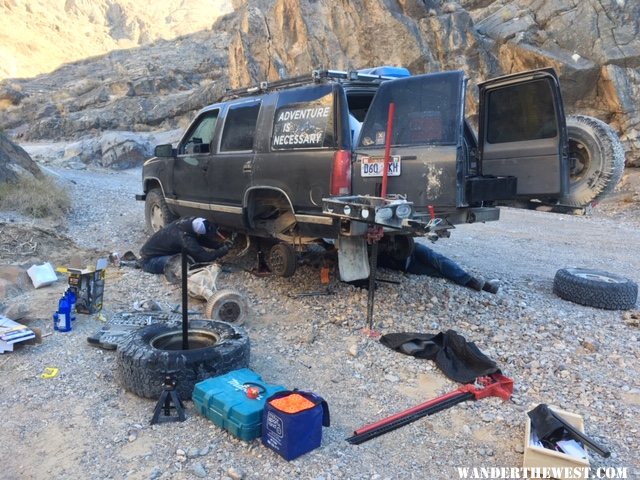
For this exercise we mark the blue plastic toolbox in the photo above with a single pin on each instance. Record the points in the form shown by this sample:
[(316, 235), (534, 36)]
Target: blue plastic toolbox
[(225, 402)]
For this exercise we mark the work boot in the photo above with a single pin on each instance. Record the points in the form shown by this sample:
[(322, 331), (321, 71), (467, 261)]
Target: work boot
[(476, 283), (491, 286)]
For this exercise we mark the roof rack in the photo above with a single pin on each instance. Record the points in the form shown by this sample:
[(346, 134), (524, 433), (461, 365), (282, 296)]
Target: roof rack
[(316, 76)]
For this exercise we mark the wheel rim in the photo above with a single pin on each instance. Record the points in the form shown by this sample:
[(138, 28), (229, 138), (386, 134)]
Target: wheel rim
[(580, 160), (229, 311), (596, 276), (156, 217), (172, 341)]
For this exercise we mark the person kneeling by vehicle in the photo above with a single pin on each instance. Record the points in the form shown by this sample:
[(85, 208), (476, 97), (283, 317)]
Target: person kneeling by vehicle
[(424, 261), (195, 235)]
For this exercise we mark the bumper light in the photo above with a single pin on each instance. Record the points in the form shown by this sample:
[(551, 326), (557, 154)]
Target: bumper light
[(403, 211), (384, 213)]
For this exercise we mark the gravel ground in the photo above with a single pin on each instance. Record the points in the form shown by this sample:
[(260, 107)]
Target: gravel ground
[(83, 424)]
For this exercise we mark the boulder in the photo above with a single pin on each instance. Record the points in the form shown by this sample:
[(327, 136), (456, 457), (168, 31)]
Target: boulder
[(121, 150), (15, 162)]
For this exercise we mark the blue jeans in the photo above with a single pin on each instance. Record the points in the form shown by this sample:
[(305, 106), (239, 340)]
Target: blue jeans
[(155, 264), (425, 261)]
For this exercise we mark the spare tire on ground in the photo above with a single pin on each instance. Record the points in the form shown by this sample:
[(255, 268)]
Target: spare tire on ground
[(597, 160), (154, 352), (595, 288)]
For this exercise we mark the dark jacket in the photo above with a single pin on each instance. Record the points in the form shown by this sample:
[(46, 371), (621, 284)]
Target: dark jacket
[(179, 234)]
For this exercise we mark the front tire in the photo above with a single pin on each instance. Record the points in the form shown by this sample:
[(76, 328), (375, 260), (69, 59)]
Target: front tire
[(156, 211), (597, 160)]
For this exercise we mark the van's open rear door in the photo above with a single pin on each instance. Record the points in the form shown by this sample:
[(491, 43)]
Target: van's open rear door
[(522, 133)]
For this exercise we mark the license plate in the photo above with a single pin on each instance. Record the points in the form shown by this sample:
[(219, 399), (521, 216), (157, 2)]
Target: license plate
[(374, 166)]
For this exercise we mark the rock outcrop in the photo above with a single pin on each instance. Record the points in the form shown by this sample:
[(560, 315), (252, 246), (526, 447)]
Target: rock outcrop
[(15, 162), (593, 44)]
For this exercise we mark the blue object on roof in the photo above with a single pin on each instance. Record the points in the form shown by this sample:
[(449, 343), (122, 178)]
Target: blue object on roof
[(386, 71)]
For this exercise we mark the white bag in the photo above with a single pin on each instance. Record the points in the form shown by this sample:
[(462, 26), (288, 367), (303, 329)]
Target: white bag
[(42, 275)]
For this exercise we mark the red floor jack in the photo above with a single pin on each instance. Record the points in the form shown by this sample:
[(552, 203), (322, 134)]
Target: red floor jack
[(494, 385)]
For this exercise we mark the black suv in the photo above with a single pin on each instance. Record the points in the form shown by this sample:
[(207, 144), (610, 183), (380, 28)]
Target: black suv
[(285, 161)]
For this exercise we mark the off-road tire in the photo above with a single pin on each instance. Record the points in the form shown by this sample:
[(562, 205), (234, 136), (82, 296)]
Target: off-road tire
[(156, 211), (595, 288), (282, 260), (142, 368), (597, 160), (227, 306)]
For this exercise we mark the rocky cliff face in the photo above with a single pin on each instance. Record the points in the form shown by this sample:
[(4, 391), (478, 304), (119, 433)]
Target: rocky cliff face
[(593, 44), (37, 36)]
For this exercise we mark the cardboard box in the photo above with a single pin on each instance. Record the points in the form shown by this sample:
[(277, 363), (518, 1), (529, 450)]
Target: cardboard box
[(88, 285), (540, 457)]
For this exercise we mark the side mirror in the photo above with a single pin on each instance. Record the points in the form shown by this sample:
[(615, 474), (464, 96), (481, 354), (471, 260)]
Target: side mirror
[(164, 151)]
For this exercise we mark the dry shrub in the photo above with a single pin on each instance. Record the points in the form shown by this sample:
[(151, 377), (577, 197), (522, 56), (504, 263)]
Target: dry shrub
[(38, 198)]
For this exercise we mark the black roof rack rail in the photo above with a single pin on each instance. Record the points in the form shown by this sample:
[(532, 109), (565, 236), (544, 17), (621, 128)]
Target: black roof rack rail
[(316, 76)]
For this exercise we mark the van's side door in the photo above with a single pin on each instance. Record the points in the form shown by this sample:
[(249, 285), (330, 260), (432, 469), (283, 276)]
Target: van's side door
[(522, 133)]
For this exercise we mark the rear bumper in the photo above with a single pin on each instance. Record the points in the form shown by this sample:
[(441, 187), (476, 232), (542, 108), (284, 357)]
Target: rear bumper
[(391, 214)]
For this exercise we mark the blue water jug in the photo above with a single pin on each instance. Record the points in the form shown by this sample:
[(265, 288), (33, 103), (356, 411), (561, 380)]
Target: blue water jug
[(71, 298), (62, 318)]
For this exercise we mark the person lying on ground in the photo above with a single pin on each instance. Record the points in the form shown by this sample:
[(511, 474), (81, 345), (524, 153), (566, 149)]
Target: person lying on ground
[(196, 235), (425, 261)]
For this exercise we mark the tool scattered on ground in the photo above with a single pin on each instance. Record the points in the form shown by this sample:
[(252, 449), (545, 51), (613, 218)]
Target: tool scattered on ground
[(494, 385), (314, 293), (49, 372), (551, 427)]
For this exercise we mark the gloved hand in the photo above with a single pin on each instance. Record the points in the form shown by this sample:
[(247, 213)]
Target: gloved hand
[(222, 251), (228, 243)]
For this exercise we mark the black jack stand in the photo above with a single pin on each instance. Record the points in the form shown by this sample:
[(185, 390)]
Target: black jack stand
[(162, 412)]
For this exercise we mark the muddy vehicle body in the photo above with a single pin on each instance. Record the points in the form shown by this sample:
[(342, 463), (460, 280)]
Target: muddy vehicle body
[(285, 161)]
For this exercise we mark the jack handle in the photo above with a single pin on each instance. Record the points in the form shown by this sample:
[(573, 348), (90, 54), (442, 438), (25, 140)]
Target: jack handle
[(493, 385)]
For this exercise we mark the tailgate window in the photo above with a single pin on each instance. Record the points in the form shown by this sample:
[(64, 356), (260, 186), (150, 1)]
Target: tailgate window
[(304, 119), (428, 110)]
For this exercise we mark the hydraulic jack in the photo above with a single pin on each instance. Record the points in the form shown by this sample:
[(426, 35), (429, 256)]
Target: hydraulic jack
[(494, 385)]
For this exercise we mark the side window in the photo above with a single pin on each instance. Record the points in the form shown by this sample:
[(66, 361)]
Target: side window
[(240, 127), (200, 136), (521, 112), (304, 119)]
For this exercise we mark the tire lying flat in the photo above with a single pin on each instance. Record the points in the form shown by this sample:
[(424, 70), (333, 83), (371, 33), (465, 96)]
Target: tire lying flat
[(595, 288), (145, 359)]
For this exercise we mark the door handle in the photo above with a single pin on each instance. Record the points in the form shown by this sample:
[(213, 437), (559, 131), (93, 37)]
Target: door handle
[(247, 167)]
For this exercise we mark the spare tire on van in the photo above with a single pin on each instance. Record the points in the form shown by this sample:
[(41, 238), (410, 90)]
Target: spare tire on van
[(597, 160)]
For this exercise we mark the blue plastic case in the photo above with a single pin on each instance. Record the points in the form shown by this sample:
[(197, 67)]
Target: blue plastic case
[(224, 401)]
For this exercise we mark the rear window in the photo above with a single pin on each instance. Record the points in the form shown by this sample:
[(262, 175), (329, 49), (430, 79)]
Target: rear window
[(304, 119), (428, 110), (240, 127), (521, 112)]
